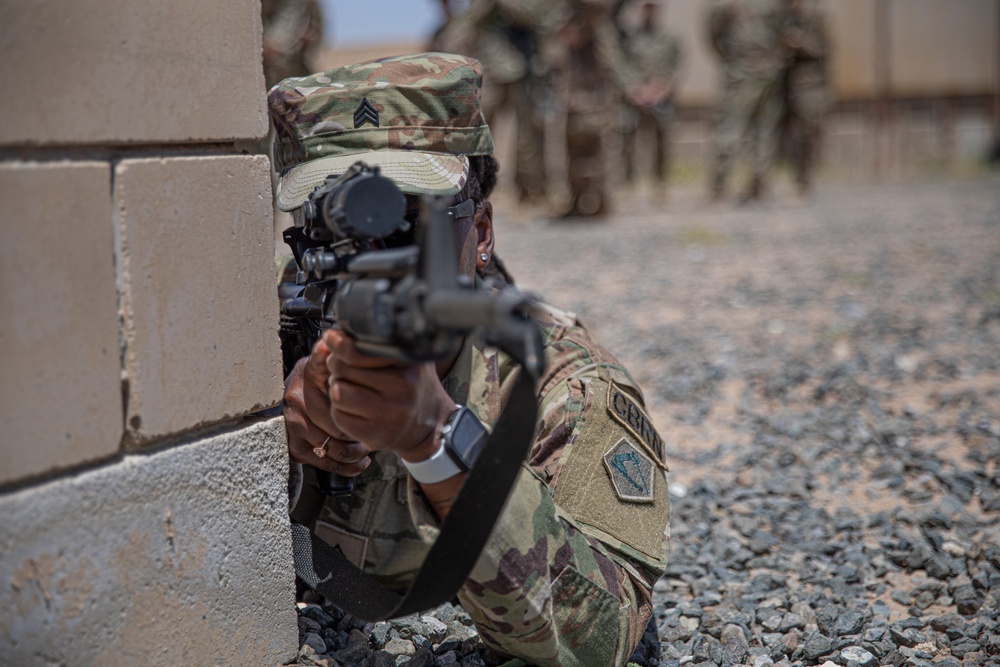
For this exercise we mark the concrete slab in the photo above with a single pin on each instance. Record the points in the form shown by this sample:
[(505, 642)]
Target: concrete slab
[(182, 557), (60, 384), (197, 275), (131, 71)]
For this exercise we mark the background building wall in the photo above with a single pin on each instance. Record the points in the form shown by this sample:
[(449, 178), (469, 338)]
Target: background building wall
[(143, 493), (915, 82), (931, 47)]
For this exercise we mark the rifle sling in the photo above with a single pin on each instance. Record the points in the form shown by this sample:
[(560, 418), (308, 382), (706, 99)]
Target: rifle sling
[(462, 537)]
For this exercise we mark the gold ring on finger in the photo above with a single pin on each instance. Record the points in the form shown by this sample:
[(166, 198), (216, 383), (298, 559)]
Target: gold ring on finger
[(320, 450)]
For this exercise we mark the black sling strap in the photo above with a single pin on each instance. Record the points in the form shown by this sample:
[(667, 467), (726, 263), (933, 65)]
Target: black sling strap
[(463, 534)]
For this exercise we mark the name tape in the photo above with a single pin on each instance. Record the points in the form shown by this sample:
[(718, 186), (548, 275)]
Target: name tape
[(627, 412)]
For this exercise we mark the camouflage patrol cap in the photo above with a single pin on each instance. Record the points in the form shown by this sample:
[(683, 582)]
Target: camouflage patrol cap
[(416, 117)]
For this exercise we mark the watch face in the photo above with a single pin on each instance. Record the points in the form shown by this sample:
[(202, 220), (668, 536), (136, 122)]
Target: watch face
[(466, 438)]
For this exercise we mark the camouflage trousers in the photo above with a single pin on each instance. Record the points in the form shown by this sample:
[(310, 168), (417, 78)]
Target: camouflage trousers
[(586, 162), (636, 125), (807, 98), (747, 122), (530, 177)]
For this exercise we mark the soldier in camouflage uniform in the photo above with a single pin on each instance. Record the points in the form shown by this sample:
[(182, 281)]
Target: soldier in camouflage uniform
[(292, 37), (504, 36), (745, 36), (655, 54), (566, 577), (806, 84), (293, 34), (594, 74), (439, 40)]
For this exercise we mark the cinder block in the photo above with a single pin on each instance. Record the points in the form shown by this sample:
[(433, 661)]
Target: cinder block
[(196, 271), (182, 557), (130, 71), (60, 365)]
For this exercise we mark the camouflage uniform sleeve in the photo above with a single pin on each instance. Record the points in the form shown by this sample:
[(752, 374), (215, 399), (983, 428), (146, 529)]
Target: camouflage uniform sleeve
[(567, 575), (608, 45)]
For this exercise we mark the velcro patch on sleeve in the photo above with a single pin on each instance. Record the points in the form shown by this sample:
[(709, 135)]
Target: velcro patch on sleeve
[(611, 486), (624, 409)]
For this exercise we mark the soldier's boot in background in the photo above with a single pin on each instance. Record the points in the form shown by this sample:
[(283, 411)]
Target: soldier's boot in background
[(717, 186), (754, 191), (805, 163), (586, 168)]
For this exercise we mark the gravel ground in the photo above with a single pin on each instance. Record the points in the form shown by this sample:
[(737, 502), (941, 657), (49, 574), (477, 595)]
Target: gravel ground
[(827, 378)]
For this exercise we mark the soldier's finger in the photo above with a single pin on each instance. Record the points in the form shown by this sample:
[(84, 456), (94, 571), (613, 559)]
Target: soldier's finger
[(314, 366), (349, 469), (357, 400), (382, 380), (304, 441), (345, 451), (340, 456), (343, 347)]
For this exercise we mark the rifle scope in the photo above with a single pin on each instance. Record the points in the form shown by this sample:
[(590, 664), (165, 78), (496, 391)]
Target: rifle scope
[(361, 204)]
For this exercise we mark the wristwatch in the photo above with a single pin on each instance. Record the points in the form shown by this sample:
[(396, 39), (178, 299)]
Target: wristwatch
[(462, 437)]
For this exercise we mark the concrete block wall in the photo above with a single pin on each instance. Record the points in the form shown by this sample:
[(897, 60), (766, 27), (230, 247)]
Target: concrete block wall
[(142, 490)]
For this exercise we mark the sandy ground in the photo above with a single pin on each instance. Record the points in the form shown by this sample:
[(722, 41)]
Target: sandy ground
[(731, 318), (774, 283)]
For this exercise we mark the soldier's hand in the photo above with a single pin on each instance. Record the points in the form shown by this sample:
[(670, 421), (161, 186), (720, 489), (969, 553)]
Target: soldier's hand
[(313, 438), (649, 94), (385, 404)]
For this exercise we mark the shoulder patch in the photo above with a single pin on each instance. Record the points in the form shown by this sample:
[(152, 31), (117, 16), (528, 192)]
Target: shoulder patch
[(631, 472), (626, 411), (610, 485)]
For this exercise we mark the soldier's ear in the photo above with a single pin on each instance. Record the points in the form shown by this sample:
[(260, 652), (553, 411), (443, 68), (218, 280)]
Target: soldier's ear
[(483, 222)]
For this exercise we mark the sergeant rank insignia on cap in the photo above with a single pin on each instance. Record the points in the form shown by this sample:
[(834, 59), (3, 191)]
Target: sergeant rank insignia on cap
[(631, 472), (365, 113)]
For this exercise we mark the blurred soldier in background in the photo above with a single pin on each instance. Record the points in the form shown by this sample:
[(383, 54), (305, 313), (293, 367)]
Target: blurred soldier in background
[(504, 35), (806, 85), (593, 74), (439, 41), (293, 35), (655, 56), (292, 39), (745, 35)]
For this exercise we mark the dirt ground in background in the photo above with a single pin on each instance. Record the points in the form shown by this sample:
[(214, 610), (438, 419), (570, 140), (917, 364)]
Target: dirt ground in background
[(765, 289), (783, 279)]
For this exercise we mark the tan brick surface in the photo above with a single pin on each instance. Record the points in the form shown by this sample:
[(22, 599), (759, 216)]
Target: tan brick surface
[(180, 558), (60, 387), (196, 268), (130, 71)]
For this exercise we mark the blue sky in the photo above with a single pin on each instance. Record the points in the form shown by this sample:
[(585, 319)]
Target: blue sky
[(356, 22)]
